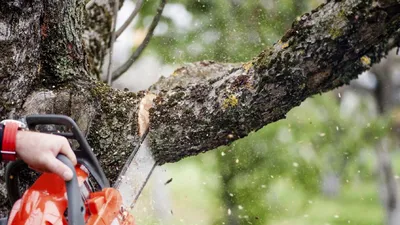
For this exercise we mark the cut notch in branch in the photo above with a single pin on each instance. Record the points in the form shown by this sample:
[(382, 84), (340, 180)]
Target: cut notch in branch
[(143, 116), (121, 70)]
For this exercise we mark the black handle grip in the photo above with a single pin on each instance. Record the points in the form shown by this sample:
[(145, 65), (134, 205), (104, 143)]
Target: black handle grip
[(76, 209), (49, 119)]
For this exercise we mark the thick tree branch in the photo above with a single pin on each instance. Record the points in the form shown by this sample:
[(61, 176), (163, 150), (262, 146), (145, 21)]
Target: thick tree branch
[(199, 109)]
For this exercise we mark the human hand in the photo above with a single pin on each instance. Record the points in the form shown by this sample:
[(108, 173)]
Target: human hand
[(39, 151)]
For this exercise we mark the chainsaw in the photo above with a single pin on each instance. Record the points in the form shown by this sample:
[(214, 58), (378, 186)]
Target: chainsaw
[(88, 199)]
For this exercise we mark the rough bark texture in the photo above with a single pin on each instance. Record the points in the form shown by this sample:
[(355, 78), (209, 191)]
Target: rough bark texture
[(51, 52)]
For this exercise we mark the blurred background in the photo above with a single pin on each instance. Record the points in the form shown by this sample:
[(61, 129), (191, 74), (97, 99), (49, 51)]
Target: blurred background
[(334, 160)]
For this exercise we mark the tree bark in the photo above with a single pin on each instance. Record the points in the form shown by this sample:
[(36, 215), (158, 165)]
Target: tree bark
[(52, 51)]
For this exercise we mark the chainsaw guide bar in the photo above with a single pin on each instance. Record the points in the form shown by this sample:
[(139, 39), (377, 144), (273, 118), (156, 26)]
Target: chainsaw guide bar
[(135, 173)]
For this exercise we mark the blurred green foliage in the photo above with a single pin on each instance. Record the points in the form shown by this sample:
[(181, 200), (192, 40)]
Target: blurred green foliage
[(221, 30), (314, 138), (276, 175)]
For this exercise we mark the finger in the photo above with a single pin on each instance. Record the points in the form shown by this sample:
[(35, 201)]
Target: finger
[(40, 170), (67, 151), (56, 166)]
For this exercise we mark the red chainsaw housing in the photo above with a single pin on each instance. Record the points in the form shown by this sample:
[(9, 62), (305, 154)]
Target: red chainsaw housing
[(45, 202)]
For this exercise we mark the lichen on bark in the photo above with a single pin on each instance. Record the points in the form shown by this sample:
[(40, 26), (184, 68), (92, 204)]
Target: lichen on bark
[(114, 131)]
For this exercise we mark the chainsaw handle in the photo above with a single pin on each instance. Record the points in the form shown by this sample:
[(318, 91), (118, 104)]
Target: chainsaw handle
[(76, 209), (48, 119)]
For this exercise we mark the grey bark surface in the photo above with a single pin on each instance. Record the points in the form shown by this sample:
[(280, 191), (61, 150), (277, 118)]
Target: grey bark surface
[(52, 52)]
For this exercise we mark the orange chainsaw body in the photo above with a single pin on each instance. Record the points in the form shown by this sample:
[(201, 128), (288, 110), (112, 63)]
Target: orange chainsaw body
[(45, 202)]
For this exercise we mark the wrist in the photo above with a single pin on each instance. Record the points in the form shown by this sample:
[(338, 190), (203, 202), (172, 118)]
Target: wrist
[(8, 144), (9, 139), (1, 137)]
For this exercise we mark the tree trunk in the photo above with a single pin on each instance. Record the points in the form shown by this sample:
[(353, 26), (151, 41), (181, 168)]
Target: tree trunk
[(52, 53), (388, 187), (387, 184)]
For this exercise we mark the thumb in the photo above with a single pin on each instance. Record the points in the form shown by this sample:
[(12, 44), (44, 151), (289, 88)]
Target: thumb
[(59, 168)]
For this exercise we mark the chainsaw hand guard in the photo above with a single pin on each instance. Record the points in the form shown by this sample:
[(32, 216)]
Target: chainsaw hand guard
[(49, 198), (84, 154)]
